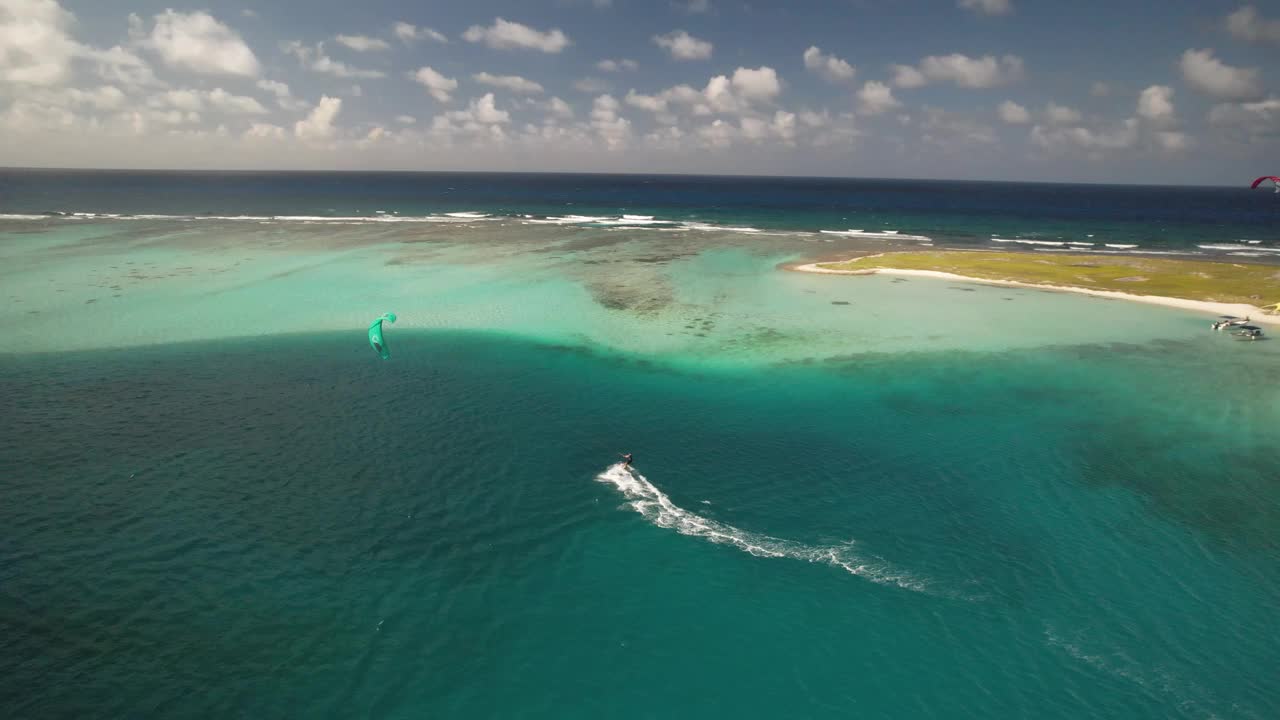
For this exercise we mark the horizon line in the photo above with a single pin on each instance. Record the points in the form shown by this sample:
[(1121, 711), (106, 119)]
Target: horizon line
[(282, 171)]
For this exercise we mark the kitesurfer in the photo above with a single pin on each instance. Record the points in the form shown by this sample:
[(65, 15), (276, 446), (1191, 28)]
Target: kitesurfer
[(626, 460)]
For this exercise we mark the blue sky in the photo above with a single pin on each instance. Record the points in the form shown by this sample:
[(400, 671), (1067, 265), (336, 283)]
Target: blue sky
[(1176, 91)]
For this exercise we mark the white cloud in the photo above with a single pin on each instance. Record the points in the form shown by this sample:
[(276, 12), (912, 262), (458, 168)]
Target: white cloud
[(1061, 114), (1058, 138), (35, 47), (362, 43), (199, 42), (611, 127), (967, 72), (315, 59), (283, 96), (121, 66), (684, 46), (506, 35), (760, 84), (191, 100), (1100, 89), (1207, 74), (319, 124), (736, 94), (905, 76), (718, 134), (406, 119), (104, 98), (1255, 119), (1173, 141), (436, 84), (617, 65), (1013, 113), (1156, 103), (198, 100), (875, 98), (652, 103), (558, 108), (265, 131), (829, 66), (1246, 24), (782, 126), (408, 33), (590, 85), (514, 83), (988, 7), (482, 110)]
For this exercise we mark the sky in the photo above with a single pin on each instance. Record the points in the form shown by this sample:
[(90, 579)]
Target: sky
[(1180, 91)]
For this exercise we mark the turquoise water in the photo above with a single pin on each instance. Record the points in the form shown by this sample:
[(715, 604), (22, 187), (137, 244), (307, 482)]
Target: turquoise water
[(859, 497), (282, 527)]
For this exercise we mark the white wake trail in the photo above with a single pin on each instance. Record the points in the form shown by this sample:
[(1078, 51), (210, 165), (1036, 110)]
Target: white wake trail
[(657, 508)]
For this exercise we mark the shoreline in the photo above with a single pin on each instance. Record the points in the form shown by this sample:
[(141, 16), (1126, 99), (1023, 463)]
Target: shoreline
[(1253, 312)]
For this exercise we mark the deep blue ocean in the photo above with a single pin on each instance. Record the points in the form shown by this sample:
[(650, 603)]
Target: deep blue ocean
[(852, 497), (964, 213)]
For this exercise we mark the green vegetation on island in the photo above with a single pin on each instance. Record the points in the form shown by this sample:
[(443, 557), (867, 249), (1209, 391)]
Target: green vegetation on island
[(1223, 282)]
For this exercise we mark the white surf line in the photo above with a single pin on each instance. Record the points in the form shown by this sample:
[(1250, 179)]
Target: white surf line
[(1253, 312), (657, 508), (876, 235)]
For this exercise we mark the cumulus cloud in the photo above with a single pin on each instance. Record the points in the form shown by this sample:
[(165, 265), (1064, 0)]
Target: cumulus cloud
[(1246, 24), (684, 46), (234, 104), (1156, 103), (1061, 115), (362, 43), (611, 127), (265, 131), (988, 7), (558, 108), (1173, 141), (284, 98), (875, 98), (436, 84), (1013, 113), (590, 85), (1100, 89), (1253, 119), (35, 47), (506, 35), (408, 33), (1206, 74), (315, 59), (200, 43), (984, 72), (1060, 138), (514, 83), (906, 76), (406, 119), (480, 111), (828, 66), (318, 125), (617, 65), (198, 100), (739, 93), (759, 84)]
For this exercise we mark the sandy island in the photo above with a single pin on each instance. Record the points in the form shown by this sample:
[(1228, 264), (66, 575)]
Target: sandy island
[(1253, 312)]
